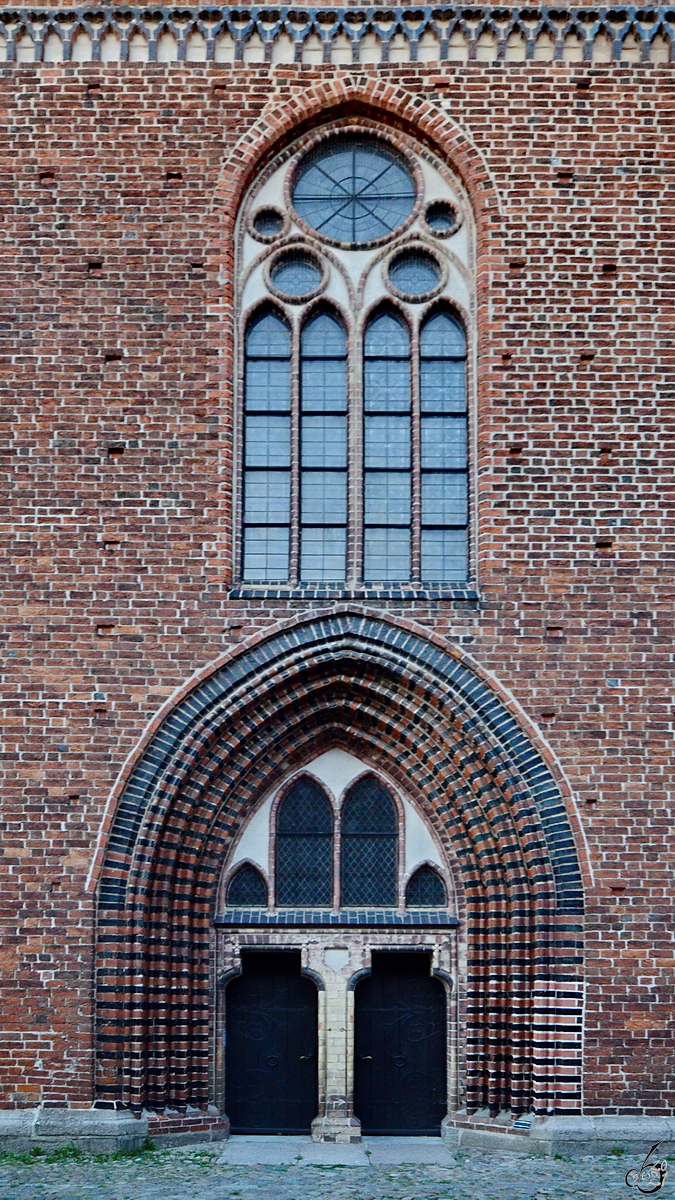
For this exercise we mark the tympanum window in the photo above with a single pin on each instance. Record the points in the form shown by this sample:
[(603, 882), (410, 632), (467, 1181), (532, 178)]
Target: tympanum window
[(425, 889), (355, 445), (247, 889), (346, 851), (369, 845), (304, 847)]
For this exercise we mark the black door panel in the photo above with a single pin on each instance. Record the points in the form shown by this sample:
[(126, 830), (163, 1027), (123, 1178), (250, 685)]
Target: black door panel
[(400, 1047), (271, 1046)]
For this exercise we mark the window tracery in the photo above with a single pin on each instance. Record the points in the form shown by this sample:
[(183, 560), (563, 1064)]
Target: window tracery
[(355, 448), (342, 839)]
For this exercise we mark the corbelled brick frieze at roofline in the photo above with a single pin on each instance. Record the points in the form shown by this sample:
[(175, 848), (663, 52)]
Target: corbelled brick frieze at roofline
[(337, 35)]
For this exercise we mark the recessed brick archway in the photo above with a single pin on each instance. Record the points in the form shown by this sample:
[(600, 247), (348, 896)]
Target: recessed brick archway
[(426, 717)]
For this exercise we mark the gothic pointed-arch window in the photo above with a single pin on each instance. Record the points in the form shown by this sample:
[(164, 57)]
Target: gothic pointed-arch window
[(425, 889), (323, 448), (267, 447), (369, 826), (387, 458), (247, 888), (356, 278), (304, 847)]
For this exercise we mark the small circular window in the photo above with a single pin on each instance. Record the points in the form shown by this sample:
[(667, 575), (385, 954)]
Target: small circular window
[(296, 275), (441, 218), (267, 223), (414, 274), (354, 190)]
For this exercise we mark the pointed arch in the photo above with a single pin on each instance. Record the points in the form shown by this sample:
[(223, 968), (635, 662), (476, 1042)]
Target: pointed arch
[(482, 783), (369, 827), (323, 467), (304, 846), (426, 889), (247, 888), (267, 445)]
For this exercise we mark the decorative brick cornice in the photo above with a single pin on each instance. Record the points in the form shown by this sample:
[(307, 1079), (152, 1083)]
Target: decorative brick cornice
[(338, 35)]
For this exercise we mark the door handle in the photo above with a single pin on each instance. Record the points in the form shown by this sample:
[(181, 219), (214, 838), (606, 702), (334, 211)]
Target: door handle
[(365, 1056), (304, 1056)]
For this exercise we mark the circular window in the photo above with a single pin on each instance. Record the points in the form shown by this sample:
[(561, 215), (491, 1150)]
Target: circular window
[(441, 218), (296, 275), (267, 223), (354, 190), (414, 273)]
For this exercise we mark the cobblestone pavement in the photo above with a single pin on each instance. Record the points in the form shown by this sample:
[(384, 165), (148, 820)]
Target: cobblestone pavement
[(203, 1173)]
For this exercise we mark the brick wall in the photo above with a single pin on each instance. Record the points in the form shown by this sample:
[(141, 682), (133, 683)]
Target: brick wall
[(118, 187)]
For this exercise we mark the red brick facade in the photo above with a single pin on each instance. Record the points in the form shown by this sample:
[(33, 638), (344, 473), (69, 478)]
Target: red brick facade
[(120, 187)]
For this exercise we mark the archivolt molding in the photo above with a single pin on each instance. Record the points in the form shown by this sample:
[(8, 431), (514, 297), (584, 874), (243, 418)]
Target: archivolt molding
[(180, 751), (360, 95), (341, 37), (368, 686)]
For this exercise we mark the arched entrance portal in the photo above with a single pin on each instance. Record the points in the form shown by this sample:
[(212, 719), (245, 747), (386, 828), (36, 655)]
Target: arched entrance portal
[(400, 1047), (271, 1046), (423, 718)]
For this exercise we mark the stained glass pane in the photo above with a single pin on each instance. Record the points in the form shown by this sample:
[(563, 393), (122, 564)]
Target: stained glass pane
[(414, 273), (441, 216), (296, 274), (444, 554), (267, 497), (268, 442), (442, 337), (324, 384), (266, 553), (386, 385), (444, 499), (268, 337), (304, 847), (443, 443), (386, 555), (268, 222), (322, 553), (387, 498), (247, 889), (442, 385), (387, 337), (426, 890), (368, 808), (369, 845), (354, 190), (324, 497), (324, 337), (387, 442), (324, 442), (268, 385)]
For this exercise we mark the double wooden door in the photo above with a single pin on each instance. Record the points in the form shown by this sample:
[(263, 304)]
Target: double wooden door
[(400, 1047), (271, 1046)]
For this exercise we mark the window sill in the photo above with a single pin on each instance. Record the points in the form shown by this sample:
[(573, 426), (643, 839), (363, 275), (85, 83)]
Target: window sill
[(404, 592), (325, 916)]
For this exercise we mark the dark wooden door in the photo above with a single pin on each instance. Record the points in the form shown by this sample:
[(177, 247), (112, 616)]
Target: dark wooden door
[(400, 1047), (271, 1046)]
